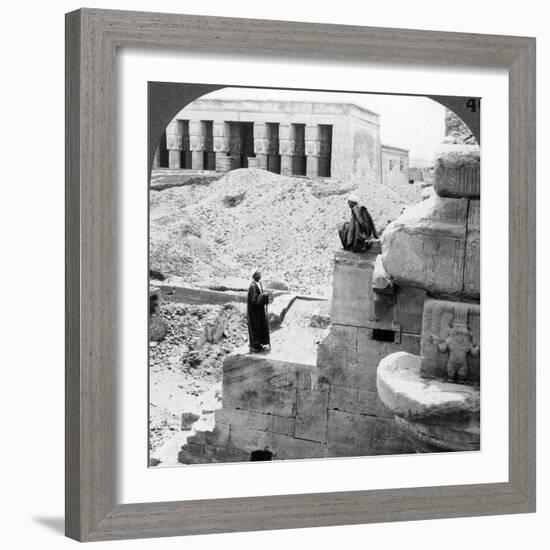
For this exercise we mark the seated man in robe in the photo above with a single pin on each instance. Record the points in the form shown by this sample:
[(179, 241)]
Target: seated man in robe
[(258, 327), (357, 234)]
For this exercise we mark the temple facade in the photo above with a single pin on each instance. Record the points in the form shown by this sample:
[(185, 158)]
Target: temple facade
[(295, 138)]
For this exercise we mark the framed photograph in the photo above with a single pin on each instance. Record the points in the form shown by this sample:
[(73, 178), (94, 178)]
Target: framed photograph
[(300, 275)]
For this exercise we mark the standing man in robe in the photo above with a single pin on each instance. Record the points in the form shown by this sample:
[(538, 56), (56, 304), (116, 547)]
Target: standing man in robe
[(357, 234), (258, 327)]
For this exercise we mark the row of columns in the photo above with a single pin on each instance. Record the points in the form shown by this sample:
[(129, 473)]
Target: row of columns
[(287, 146)]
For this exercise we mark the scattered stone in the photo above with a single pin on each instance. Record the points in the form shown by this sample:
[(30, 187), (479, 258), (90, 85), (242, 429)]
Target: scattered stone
[(277, 285), (158, 329), (234, 200), (154, 300), (157, 275), (187, 420), (278, 308), (319, 321)]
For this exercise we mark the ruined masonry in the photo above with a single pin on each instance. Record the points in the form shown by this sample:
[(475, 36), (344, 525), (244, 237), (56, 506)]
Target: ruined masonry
[(434, 248), (399, 369)]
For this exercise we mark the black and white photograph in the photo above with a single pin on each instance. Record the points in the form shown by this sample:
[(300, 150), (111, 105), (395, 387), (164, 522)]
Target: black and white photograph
[(246, 250), (314, 276)]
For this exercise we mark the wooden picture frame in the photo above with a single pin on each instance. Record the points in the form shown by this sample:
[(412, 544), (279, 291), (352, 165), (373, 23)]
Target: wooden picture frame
[(92, 39)]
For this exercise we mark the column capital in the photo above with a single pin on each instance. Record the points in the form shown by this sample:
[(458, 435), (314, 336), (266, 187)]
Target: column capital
[(313, 144), (174, 135), (196, 136), (221, 136)]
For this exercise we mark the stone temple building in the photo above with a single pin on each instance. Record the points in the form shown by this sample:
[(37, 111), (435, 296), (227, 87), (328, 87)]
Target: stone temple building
[(395, 165), (312, 139)]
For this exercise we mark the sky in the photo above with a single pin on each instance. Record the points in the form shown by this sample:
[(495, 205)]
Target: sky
[(410, 122)]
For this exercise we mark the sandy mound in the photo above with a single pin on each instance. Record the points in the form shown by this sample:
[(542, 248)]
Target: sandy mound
[(252, 218)]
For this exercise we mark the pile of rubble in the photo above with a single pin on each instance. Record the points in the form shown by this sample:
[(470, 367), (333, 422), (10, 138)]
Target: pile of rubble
[(252, 218), (187, 362)]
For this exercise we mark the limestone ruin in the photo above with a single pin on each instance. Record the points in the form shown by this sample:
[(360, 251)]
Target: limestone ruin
[(398, 371)]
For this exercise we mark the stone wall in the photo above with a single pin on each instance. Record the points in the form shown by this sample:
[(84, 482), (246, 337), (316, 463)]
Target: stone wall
[(326, 407), (298, 411)]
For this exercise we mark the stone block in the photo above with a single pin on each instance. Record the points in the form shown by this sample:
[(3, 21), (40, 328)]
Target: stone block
[(338, 348), (370, 351), (350, 399), (248, 439), (257, 383), (244, 419), (219, 437), (450, 340), (457, 171), (357, 370), (340, 433), (442, 436), (435, 415), (409, 308), (353, 434), (346, 336), (283, 425), (226, 454), (311, 415), (404, 391), (425, 246), (383, 308), (410, 343), (352, 288), (285, 447), (361, 375), (472, 260), (380, 436)]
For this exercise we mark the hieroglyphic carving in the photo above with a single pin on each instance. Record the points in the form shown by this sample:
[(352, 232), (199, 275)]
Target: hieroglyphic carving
[(458, 344), (450, 340)]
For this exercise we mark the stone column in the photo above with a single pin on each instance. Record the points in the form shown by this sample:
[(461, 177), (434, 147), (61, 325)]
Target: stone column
[(174, 141), (313, 150), (260, 145), (156, 159), (196, 144), (221, 145), (285, 149)]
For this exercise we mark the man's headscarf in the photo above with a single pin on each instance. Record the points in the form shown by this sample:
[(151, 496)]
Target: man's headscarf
[(352, 197)]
